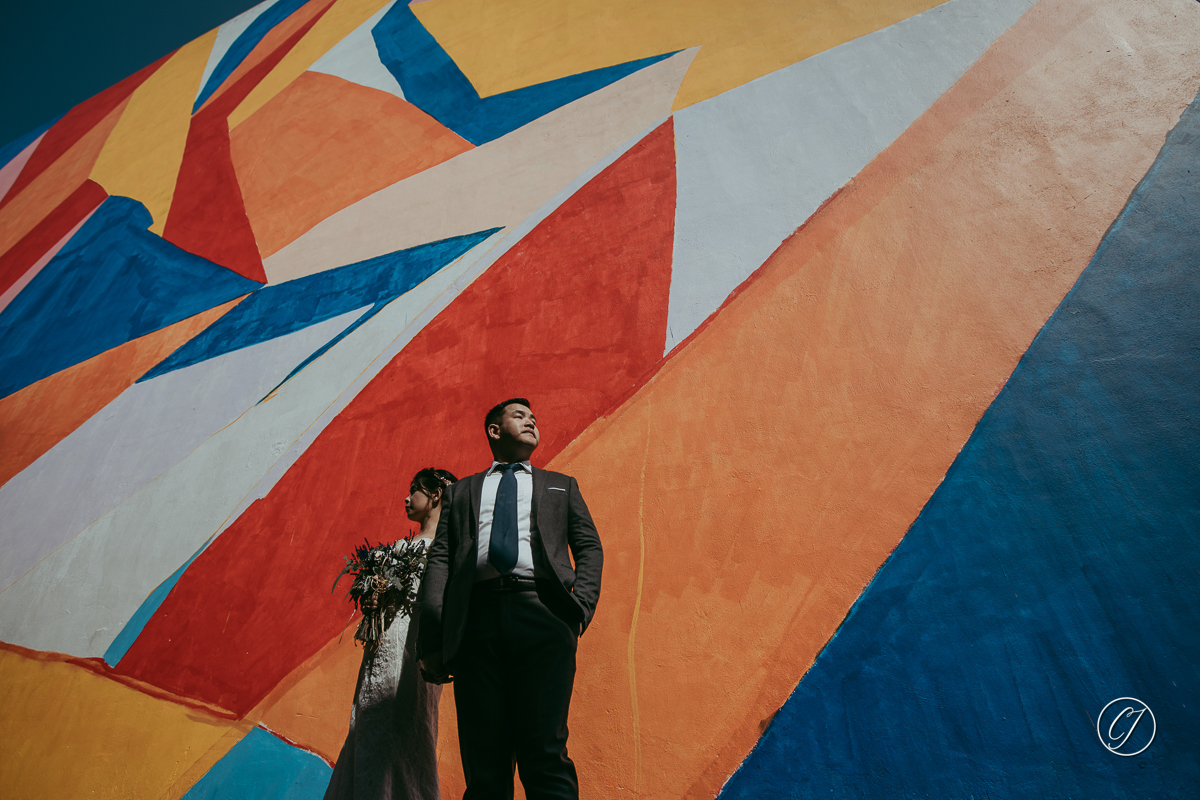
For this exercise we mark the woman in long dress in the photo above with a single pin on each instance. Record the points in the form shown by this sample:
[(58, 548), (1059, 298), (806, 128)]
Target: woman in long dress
[(391, 750)]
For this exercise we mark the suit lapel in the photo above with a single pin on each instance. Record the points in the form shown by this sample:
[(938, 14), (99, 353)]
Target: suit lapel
[(549, 539), (476, 500), (539, 488)]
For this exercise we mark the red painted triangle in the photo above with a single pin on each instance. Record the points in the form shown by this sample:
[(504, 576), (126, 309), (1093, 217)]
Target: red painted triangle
[(573, 317), (75, 124), (47, 233), (207, 216)]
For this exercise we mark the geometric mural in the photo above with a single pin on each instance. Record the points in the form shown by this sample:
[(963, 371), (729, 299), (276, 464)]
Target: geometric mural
[(867, 330), (1053, 565)]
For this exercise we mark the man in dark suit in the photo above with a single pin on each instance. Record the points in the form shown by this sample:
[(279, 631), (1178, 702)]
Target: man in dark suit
[(502, 608)]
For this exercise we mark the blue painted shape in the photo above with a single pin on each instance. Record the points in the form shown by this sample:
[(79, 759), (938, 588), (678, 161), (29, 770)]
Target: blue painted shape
[(1055, 569), (263, 767), (320, 351), (244, 44), (282, 308), (113, 282), (128, 635), (14, 148), (434, 83)]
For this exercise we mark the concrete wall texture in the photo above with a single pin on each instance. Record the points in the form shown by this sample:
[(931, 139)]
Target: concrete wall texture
[(868, 328)]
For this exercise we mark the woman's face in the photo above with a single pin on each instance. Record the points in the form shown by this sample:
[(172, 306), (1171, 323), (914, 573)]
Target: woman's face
[(418, 504)]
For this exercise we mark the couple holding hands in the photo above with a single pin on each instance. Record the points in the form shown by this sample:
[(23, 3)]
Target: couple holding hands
[(512, 580)]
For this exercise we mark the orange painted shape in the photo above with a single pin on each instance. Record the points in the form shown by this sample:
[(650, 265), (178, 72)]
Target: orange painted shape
[(749, 492), (311, 706), (55, 183), (323, 144), (269, 44), (450, 771), (69, 732), (44, 413)]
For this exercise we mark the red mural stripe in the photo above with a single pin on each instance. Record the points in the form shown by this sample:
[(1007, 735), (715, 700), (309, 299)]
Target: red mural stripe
[(208, 216), (49, 232), (76, 124), (572, 317)]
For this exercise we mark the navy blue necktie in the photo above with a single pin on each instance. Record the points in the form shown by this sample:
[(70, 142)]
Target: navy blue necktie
[(502, 547)]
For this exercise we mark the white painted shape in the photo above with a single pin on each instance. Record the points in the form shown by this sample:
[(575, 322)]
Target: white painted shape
[(32, 272), (10, 171), (227, 34), (142, 433), (755, 162), (495, 185), (356, 59), (79, 598)]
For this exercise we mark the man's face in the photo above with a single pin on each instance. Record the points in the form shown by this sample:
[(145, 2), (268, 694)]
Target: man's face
[(517, 427)]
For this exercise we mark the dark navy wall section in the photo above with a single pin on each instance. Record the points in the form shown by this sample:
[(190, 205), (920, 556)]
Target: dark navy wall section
[(1056, 568), (11, 150)]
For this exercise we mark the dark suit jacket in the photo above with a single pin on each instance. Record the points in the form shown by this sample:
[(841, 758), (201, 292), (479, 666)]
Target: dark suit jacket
[(559, 523)]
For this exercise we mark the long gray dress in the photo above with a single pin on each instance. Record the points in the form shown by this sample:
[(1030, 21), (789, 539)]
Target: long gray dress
[(391, 750)]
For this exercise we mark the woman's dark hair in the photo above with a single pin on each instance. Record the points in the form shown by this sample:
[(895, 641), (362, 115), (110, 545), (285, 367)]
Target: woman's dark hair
[(432, 481)]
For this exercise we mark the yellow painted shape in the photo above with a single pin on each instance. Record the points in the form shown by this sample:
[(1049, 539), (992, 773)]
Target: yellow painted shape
[(67, 732), (337, 23), (200, 767), (142, 155), (501, 45)]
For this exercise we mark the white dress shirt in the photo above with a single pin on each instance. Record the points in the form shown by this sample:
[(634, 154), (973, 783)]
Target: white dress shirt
[(487, 509)]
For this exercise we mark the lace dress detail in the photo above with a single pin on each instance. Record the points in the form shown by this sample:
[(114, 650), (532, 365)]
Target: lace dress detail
[(391, 749)]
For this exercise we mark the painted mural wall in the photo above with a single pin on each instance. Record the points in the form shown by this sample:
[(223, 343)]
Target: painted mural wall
[(870, 331)]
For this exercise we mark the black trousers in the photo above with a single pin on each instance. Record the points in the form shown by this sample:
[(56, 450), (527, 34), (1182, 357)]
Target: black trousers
[(512, 687)]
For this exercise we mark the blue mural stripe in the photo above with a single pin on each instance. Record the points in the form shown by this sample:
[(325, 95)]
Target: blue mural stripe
[(128, 635), (264, 767), (351, 328), (244, 45), (434, 83), (11, 150), (113, 282), (282, 308), (1055, 569)]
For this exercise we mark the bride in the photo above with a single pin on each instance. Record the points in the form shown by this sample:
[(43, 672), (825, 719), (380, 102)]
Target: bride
[(391, 749)]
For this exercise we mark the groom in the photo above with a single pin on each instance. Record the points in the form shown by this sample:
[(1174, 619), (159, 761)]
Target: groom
[(502, 608)]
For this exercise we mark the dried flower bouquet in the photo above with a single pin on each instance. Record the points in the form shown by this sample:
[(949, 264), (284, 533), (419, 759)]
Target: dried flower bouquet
[(386, 579)]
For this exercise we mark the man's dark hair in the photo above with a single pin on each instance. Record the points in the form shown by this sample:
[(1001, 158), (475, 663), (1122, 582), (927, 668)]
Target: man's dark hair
[(496, 413)]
